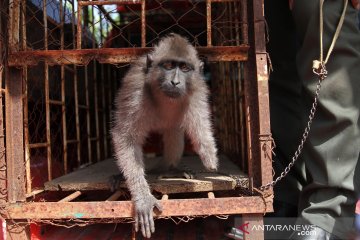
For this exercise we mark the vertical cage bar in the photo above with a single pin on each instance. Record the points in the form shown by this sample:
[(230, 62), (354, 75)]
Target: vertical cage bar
[(238, 28), (3, 187), (75, 82), (96, 104), (15, 165), (109, 98), (79, 29), (104, 112), (208, 22), (87, 103), (14, 25), (26, 106), (260, 162), (63, 90), (103, 99), (47, 94), (244, 21), (143, 24)]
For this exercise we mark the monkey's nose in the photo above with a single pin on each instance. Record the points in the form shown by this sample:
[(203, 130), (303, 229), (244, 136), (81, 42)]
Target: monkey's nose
[(175, 83)]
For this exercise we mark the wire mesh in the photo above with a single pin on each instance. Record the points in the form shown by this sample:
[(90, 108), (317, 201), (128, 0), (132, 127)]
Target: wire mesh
[(106, 24)]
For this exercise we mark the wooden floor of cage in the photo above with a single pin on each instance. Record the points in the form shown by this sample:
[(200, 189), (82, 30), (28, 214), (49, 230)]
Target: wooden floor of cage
[(96, 177)]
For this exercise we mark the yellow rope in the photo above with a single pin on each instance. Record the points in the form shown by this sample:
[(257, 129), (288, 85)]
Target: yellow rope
[(336, 35)]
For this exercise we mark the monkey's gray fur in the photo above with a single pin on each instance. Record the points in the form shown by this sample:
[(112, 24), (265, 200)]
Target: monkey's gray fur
[(163, 92)]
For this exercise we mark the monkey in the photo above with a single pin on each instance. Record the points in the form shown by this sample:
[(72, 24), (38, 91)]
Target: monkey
[(163, 91)]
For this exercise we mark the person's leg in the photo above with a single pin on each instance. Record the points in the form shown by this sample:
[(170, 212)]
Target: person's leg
[(285, 105), (332, 151)]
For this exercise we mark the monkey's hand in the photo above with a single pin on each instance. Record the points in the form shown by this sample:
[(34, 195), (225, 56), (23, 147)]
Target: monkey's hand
[(144, 206), (210, 161)]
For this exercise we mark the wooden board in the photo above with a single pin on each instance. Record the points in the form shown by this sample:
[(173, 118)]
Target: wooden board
[(95, 177)]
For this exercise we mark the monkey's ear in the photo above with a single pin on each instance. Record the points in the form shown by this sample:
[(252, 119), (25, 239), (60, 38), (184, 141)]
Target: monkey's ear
[(203, 62), (201, 67), (149, 61)]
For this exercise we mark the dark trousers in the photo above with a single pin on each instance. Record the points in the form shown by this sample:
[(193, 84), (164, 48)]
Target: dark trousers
[(324, 183)]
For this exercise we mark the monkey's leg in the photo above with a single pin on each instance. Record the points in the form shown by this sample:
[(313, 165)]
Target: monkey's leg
[(173, 140), (130, 161), (115, 181)]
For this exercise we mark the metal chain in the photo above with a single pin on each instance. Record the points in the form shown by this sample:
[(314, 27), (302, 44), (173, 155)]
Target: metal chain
[(320, 70), (322, 74)]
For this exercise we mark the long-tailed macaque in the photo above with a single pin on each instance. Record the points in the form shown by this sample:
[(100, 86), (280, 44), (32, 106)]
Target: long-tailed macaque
[(165, 92)]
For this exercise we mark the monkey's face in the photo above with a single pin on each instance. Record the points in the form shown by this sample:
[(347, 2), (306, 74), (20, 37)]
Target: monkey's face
[(174, 77)]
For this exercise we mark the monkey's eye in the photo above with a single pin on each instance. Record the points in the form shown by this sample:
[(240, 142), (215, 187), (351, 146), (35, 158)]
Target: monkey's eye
[(185, 67), (168, 65)]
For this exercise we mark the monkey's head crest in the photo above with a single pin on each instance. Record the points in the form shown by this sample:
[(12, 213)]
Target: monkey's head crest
[(176, 47)]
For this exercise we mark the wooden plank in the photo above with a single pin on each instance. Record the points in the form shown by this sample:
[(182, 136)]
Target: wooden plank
[(124, 209), (96, 177)]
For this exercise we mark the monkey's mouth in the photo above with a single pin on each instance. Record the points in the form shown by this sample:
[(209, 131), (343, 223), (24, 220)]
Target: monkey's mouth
[(172, 93)]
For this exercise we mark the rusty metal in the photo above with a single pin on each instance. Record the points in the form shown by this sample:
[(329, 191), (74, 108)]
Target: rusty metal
[(104, 112), (47, 95), (115, 196), (14, 25), (56, 102), (15, 164), (75, 83), (26, 109), (96, 104), (257, 107), (208, 22), (63, 90), (71, 197), (87, 104), (38, 145), (124, 209), (34, 193), (143, 24), (79, 26), (103, 101), (26, 133), (109, 2), (3, 187), (116, 56), (244, 21)]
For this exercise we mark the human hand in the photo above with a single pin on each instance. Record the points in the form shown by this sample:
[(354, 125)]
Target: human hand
[(355, 3), (291, 4)]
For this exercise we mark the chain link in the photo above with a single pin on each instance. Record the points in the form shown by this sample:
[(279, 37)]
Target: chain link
[(321, 72)]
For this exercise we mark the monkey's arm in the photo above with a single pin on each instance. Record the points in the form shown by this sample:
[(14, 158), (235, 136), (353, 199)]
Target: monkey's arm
[(199, 129), (129, 157)]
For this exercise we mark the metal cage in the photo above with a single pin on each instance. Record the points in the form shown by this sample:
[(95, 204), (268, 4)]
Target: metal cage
[(61, 62)]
